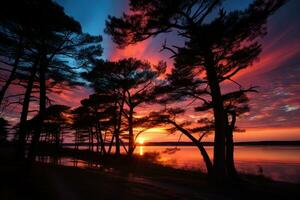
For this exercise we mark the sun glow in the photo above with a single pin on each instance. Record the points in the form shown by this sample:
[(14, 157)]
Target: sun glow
[(141, 141)]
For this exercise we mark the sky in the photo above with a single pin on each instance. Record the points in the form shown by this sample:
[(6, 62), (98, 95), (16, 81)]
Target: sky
[(275, 110)]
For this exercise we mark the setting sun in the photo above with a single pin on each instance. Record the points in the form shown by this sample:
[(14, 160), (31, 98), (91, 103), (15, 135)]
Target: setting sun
[(141, 141)]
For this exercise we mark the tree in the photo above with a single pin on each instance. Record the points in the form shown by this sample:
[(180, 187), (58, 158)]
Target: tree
[(219, 47), (56, 71), (104, 79), (52, 40), (55, 120), (4, 125), (133, 82), (168, 117), (95, 116)]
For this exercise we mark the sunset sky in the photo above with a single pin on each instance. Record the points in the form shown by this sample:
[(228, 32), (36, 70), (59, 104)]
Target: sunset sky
[(275, 110)]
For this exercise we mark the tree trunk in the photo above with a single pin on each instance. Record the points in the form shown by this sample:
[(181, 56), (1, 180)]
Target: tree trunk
[(97, 139), (22, 129), (92, 139), (57, 140), (219, 116), (41, 115), (111, 144), (131, 143), (117, 144), (207, 161), (89, 136), (100, 138), (130, 132), (119, 121), (230, 149), (76, 140)]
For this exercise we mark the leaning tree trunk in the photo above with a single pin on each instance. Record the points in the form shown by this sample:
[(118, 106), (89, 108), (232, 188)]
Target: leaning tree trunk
[(111, 144), (22, 129), (230, 148), (207, 161), (219, 116)]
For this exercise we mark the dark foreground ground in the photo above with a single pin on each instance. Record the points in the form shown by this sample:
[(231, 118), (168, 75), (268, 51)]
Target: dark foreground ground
[(122, 178)]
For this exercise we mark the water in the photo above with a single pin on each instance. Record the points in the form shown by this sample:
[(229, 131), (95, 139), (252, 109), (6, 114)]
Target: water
[(281, 163)]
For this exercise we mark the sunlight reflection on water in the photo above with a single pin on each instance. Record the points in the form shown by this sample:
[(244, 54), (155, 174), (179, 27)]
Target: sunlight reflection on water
[(141, 150), (280, 163)]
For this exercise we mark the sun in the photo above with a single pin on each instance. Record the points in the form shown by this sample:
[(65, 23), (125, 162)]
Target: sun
[(141, 141)]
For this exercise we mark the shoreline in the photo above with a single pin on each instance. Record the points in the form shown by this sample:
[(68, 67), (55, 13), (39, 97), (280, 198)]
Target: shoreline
[(126, 178)]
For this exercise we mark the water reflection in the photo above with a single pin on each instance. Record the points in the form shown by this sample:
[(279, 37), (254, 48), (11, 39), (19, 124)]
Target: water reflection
[(141, 150), (280, 163)]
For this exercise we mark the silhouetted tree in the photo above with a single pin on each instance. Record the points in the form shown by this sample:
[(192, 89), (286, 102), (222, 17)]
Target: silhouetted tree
[(104, 78), (168, 117), (216, 49), (96, 116), (133, 81), (55, 120), (4, 126), (81, 124), (53, 39)]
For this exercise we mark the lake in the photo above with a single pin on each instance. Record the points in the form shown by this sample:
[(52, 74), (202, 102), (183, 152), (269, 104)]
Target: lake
[(280, 163)]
